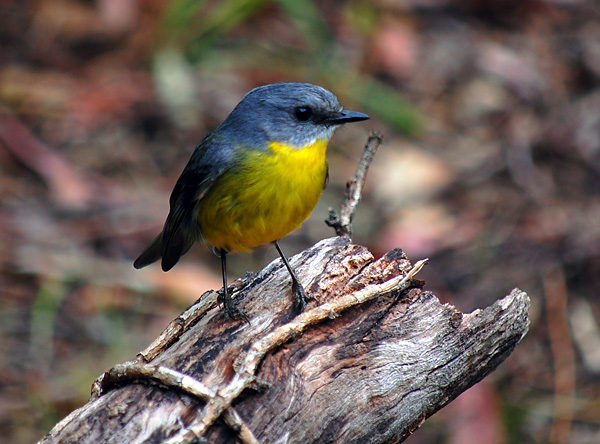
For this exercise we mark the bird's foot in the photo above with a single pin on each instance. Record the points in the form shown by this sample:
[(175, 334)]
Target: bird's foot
[(231, 311), (300, 296)]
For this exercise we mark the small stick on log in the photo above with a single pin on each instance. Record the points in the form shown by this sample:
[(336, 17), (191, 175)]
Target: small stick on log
[(342, 224)]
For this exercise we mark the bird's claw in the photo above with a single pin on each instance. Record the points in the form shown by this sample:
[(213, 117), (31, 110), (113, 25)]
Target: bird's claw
[(300, 296)]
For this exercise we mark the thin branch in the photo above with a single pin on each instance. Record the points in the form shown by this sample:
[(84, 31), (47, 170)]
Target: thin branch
[(342, 224), (132, 371)]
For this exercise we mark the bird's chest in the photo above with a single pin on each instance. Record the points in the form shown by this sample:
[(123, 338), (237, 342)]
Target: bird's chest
[(268, 195), (290, 172)]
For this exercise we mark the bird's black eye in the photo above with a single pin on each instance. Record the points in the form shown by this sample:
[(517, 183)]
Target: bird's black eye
[(303, 113)]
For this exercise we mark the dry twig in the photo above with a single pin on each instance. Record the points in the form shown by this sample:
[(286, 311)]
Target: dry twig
[(342, 224)]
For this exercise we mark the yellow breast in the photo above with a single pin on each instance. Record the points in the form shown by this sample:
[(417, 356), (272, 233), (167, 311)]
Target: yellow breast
[(265, 198)]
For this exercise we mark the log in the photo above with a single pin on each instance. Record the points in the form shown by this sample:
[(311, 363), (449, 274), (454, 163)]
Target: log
[(371, 357)]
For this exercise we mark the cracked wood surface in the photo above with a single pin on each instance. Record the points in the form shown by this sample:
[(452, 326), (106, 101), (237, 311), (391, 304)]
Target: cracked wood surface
[(371, 373)]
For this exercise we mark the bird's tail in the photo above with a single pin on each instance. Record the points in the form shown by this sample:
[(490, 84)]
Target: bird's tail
[(151, 254)]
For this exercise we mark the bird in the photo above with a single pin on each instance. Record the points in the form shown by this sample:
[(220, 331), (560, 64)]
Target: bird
[(254, 179)]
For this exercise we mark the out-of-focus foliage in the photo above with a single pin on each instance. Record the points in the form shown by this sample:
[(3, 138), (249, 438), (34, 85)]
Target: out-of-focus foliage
[(205, 32), (490, 167)]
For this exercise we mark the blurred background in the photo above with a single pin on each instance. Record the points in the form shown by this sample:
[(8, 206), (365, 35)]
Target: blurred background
[(490, 167)]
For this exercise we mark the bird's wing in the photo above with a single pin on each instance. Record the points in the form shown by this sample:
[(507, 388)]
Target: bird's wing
[(181, 230)]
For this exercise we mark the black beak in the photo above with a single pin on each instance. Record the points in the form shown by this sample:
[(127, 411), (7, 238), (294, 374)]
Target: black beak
[(345, 116)]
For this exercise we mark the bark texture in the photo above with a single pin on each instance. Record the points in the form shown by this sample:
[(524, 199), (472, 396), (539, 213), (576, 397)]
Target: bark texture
[(367, 362)]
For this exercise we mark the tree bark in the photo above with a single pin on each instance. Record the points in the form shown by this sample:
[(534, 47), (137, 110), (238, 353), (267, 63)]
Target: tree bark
[(371, 357)]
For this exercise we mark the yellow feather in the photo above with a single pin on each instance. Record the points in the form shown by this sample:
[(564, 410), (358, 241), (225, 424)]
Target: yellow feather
[(266, 197)]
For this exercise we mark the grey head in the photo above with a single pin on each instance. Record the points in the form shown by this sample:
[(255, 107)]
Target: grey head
[(292, 113)]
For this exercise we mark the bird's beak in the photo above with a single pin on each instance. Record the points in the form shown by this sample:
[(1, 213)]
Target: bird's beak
[(345, 116)]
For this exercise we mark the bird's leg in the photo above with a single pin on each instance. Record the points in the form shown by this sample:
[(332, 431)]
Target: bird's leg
[(231, 311), (300, 296)]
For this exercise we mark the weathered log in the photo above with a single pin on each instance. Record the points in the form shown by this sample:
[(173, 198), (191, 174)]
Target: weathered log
[(371, 358)]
